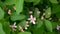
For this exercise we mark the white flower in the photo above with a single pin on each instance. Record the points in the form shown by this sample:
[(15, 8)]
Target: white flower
[(13, 26), (26, 26), (58, 27), (32, 19)]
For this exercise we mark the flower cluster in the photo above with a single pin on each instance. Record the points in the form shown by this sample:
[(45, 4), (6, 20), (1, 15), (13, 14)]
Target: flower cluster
[(30, 20)]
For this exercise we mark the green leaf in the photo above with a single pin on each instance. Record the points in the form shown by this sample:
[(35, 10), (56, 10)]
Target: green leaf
[(6, 27), (39, 30), (24, 33), (10, 2), (55, 9), (58, 15), (15, 17), (1, 29), (54, 24), (19, 6), (48, 32), (40, 23), (2, 5), (36, 2), (35, 13), (1, 14), (48, 12), (29, 0), (48, 25), (53, 1), (23, 23)]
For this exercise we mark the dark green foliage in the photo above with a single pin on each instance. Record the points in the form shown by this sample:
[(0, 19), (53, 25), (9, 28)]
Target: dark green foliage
[(40, 16)]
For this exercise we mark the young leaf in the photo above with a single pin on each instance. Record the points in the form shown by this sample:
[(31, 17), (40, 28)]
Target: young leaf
[(53, 1), (58, 15), (22, 23), (35, 12), (29, 0), (6, 27), (40, 23), (48, 25), (36, 2), (48, 12), (10, 2), (54, 24), (39, 30), (24, 33), (2, 5), (55, 9), (15, 17), (1, 29), (19, 6), (1, 14)]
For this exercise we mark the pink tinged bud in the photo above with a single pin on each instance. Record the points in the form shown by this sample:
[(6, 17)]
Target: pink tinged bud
[(58, 27), (26, 26), (42, 18), (38, 12), (21, 29), (44, 14), (14, 7), (50, 18), (30, 12), (9, 12)]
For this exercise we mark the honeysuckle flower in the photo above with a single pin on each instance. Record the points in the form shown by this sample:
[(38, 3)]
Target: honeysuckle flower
[(13, 26), (32, 19), (21, 29), (30, 12), (26, 26), (14, 7), (58, 27), (38, 12), (9, 12)]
